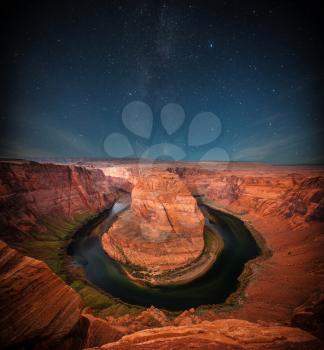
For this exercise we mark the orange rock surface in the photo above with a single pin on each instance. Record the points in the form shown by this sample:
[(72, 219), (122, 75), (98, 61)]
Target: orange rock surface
[(230, 334), (33, 196), (35, 304), (162, 231), (284, 206)]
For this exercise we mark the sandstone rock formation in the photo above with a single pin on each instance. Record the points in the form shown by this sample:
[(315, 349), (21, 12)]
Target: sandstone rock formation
[(162, 231), (48, 317), (30, 193), (230, 334), (293, 193), (283, 206), (99, 331), (149, 318), (40, 311), (310, 315), (35, 305), (43, 204)]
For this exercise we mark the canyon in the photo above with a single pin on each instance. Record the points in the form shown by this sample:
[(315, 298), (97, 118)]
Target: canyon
[(43, 204)]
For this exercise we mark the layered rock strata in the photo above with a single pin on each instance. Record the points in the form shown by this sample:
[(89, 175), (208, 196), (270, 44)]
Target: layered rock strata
[(162, 231), (48, 317), (283, 206), (43, 204), (40, 312), (31, 193), (228, 334), (35, 305)]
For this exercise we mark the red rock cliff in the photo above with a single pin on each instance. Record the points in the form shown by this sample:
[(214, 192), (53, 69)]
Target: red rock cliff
[(284, 205), (34, 302), (295, 194), (33, 197), (228, 334)]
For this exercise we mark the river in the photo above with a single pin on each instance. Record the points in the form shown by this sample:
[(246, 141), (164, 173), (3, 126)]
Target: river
[(212, 288)]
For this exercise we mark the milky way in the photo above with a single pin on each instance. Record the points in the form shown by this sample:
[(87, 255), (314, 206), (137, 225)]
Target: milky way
[(70, 69)]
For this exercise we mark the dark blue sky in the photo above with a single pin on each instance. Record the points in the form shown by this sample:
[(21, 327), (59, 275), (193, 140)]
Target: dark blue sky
[(70, 68)]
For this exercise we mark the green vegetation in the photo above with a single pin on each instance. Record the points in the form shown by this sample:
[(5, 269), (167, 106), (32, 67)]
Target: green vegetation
[(48, 251), (50, 246), (95, 299), (77, 285), (209, 238), (102, 303), (120, 309)]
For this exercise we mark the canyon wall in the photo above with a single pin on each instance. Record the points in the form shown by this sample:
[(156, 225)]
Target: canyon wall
[(283, 207), (48, 316), (40, 312), (44, 201), (294, 193), (34, 302)]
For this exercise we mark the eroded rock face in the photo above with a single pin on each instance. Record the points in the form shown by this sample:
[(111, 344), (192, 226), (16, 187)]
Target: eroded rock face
[(162, 231), (285, 206), (149, 318), (36, 306), (230, 334), (34, 196), (42, 205), (310, 315), (295, 194), (99, 331)]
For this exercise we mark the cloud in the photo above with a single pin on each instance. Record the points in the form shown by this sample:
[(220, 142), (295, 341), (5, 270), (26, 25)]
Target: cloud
[(11, 149), (261, 151), (52, 142), (254, 149), (73, 142)]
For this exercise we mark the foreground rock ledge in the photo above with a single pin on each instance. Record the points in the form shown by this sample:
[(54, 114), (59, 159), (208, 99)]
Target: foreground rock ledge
[(34, 303), (163, 231), (221, 334)]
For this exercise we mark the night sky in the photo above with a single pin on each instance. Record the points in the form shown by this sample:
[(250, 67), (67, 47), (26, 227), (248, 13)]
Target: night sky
[(69, 69)]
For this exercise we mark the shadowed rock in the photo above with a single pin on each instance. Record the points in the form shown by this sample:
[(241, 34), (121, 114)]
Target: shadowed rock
[(35, 305), (218, 335)]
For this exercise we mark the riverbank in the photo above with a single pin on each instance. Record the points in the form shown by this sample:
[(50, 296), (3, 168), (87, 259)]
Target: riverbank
[(213, 247), (100, 302), (234, 300), (285, 254), (213, 277)]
